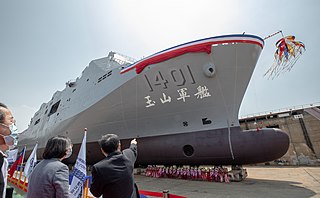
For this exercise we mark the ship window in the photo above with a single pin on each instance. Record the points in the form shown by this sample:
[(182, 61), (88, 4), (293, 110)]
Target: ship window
[(271, 116), (251, 120), (260, 118), (273, 126), (54, 108), (37, 122), (105, 76), (188, 150)]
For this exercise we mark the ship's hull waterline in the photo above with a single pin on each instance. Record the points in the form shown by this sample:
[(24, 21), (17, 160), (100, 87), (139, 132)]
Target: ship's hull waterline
[(183, 107)]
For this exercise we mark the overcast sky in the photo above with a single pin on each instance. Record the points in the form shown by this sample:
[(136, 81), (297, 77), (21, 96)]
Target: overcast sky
[(46, 43)]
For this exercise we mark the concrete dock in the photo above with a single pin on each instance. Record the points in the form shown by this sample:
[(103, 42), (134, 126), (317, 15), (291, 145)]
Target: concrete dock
[(262, 181), (293, 182)]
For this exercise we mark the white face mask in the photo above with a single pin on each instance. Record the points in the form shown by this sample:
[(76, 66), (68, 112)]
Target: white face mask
[(13, 128), (69, 153), (11, 140)]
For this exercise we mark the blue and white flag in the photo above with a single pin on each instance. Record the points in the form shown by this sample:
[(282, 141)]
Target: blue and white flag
[(31, 162), (80, 171)]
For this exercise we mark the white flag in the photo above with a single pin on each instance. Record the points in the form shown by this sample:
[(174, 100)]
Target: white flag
[(31, 162), (80, 171), (12, 156)]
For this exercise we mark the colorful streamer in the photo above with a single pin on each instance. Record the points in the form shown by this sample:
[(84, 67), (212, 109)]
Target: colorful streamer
[(286, 55)]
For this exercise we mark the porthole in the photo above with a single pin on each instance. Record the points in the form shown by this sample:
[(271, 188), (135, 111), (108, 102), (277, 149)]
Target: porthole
[(188, 150)]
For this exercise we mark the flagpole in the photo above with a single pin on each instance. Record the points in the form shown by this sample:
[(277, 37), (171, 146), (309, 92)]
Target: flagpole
[(24, 182), (86, 185), (16, 177), (271, 35), (25, 178), (20, 176)]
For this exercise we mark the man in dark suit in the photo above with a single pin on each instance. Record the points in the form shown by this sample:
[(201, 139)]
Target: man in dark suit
[(113, 176)]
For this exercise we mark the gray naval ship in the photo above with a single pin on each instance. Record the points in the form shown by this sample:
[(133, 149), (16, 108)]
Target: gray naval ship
[(181, 104)]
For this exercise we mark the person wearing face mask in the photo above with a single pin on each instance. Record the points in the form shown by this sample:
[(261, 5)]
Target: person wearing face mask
[(7, 128), (50, 178)]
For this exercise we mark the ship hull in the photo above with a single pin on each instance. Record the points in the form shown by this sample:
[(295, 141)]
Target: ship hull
[(182, 106), (212, 147)]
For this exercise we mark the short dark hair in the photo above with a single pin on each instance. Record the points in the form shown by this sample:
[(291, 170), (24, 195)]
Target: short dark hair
[(56, 147), (109, 143), (2, 112)]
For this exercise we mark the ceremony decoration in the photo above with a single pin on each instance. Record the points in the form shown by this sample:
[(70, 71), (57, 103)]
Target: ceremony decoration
[(286, 55)]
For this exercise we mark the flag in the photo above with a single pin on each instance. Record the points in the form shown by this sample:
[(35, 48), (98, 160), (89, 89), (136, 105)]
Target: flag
[(31, 162), (17, 162), (80, 171), (12, 156)]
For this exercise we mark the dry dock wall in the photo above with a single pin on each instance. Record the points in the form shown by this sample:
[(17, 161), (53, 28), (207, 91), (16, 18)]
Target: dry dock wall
[(303, 130)]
